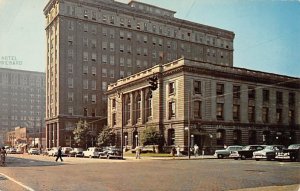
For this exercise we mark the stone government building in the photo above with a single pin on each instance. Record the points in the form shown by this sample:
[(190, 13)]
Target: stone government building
[(224, 105), (92, 43)]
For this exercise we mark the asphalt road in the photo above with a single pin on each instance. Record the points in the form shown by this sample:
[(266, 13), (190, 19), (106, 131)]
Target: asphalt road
[(37, 173)]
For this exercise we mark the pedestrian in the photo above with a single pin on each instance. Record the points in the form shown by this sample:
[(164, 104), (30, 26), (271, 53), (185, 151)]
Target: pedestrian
[(59, 155), (196, 150), (2, 156), (138, 152), (173, 151), (178, 150)]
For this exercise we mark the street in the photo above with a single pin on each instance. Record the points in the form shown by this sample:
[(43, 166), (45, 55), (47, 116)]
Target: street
[(24, 172)]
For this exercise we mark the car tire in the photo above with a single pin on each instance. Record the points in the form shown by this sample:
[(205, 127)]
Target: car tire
[(257, 159), (243, 157), (220, 156), (236, 158), (90, 156)]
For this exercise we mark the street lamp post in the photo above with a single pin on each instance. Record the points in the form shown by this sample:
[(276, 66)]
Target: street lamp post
[(122, 124), (125, 142), (136, 140)]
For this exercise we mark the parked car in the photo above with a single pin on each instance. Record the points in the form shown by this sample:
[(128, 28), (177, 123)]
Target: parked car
[(46, 151), (246, 152), (33, 151), (268, 153), (66, 150), (11, 151), (92, 152), (226, 152), (76, 152), (291, 153), (110, 153), (53, 152)]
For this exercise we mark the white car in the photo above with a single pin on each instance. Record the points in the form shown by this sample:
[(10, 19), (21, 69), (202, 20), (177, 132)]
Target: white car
[(226, 152), (53, 152), (268, 153), (33, 151), (92, 152)]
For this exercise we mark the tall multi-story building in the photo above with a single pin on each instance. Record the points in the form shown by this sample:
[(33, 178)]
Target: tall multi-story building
[(93, 43), (22, 100), (219, 105)]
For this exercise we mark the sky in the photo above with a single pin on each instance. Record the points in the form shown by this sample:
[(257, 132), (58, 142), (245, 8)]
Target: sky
[(267, 32)]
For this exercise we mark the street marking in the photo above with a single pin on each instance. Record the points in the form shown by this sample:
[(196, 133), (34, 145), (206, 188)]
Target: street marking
[(17, 182)]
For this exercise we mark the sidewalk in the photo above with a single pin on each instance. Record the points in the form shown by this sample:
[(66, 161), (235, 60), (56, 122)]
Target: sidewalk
[(171, 158)]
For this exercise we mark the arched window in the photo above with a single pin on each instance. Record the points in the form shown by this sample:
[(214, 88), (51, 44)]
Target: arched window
[(221, 135)]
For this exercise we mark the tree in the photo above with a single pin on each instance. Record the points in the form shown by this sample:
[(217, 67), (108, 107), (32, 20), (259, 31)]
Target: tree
[(150, 136), (106, 137), (81, 133)]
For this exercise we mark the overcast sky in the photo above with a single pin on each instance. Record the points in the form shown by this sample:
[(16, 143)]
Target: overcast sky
[(267, 32)]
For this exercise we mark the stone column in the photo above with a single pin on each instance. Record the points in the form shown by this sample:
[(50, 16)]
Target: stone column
[(143, 101)]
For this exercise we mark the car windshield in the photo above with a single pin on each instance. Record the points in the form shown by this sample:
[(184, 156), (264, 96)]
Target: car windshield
[(269, 148), (246, 147)]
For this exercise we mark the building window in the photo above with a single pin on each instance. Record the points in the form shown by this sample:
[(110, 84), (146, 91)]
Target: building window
[(85, 56), (138, 101), (171, 137), (85, 69), (266, 96), (220, 111), (94, 97), (172, 108), (94, 70), (70, 96), (94, 85), (251, 93), (291, 117), (85, 84), (197, 109), (220, 136), (279, 99), (171, 88), (291, 99), (149, 105), (85, 98), (70, 110), (236, 112), (114, 119), (104, 86), (265, 114), (94, 57), (220, 89), (127, 109), (236, 92), (113, 101), (70, 82), (279, 115), (237, 137), (197, 87), (251, 113), (252, 137), (85, 111), (104, 72)]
